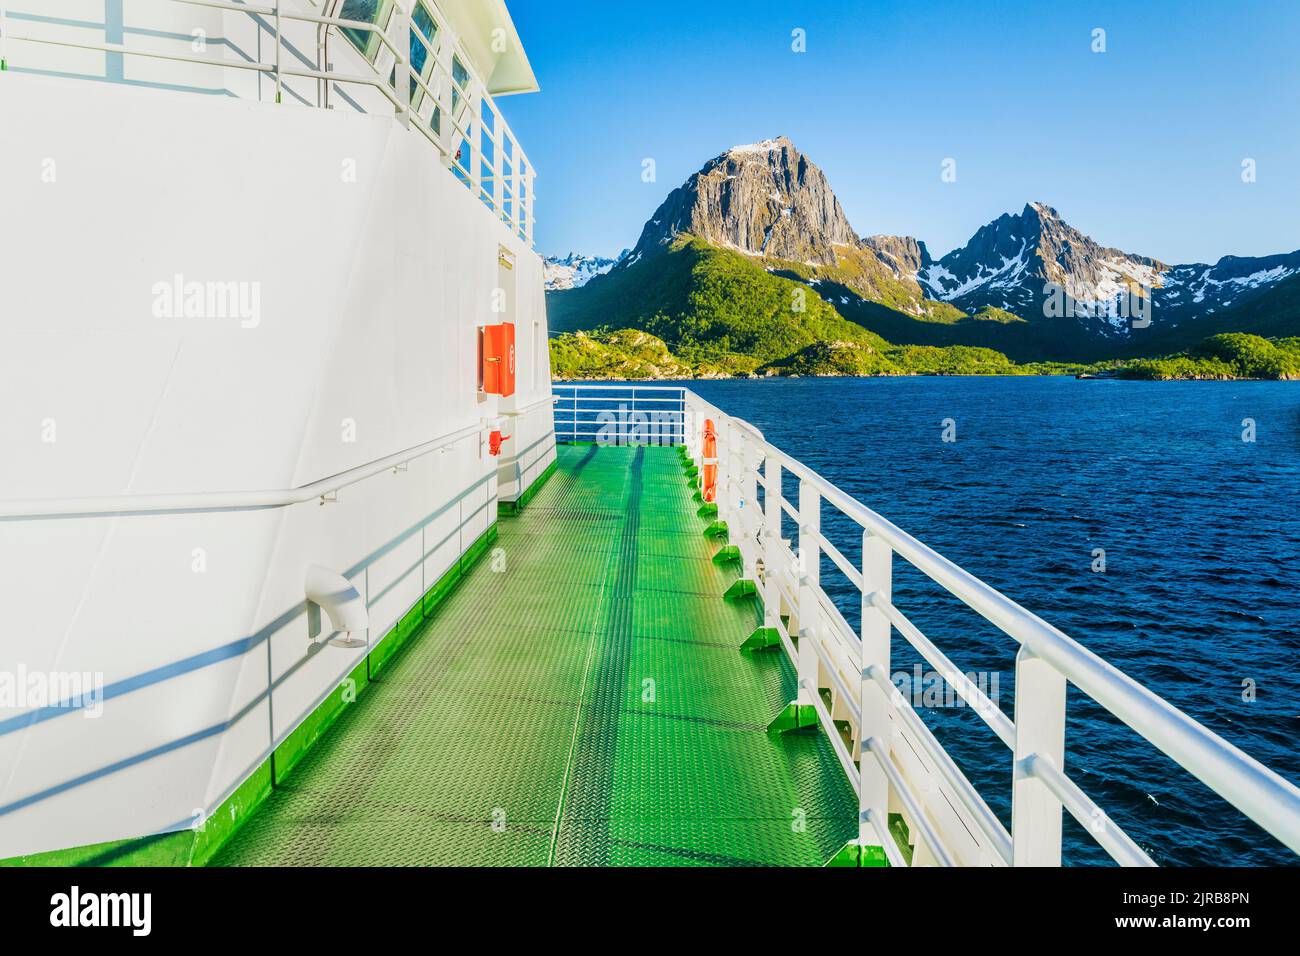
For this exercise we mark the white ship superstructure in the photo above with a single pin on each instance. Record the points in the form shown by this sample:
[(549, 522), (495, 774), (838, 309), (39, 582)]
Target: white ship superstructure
[(236, 263)]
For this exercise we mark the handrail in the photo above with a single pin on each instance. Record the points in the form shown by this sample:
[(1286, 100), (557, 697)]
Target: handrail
[(1114, 840), (511, 197), (597, 387), (991, 713), (1260, 793), (121, 505), (965, 791), (880, 750)]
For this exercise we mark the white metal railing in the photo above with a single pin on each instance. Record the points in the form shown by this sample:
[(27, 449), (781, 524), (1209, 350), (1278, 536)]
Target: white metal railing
[(447, 102), (893, 760), (620, 414)]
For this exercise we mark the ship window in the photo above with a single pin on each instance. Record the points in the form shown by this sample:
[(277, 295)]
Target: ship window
[(423, 21), (377, 12)]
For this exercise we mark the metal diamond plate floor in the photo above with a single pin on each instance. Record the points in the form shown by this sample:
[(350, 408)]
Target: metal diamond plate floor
[(579, 700)]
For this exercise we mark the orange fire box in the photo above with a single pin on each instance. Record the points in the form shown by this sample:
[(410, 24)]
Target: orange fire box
[(497, 359)]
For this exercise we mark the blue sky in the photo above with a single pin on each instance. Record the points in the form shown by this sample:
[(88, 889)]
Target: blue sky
[(1140, 147)]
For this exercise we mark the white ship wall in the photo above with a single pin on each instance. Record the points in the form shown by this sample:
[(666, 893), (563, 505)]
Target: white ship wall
[(375, 267)]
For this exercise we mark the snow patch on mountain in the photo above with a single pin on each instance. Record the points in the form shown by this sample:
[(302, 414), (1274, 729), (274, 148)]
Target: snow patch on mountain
[(766, 146), (1003, 275), (575, 270)]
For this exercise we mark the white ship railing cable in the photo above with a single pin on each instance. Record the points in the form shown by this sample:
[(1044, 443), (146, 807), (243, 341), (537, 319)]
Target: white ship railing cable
[(1047, 659), (507, 186), (209, 501)]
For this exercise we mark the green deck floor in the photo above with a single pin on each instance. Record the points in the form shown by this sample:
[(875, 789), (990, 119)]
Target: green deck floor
[(586, 705)]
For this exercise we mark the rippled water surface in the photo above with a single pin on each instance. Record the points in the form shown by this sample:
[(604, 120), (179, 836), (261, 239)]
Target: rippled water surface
[(1201, 588)]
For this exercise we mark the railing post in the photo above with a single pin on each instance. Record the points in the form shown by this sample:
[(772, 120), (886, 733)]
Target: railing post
[(322, 85), (748, 458), (722, 494), (447, 131), (279, 49), (694, 423), (736, 482), (402, 65), (810, 525), (808, 612), (809, 666), (514, 189), (620, 422), (877, 578), (532, 185), (475, 124), (771, 544), (633, 422), (1040, 732), (498, 164)]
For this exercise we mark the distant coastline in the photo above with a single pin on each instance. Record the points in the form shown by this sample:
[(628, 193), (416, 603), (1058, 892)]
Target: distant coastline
[(630, 355)]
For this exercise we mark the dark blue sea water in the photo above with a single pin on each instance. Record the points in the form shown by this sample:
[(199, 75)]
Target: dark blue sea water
[(1201, 591)]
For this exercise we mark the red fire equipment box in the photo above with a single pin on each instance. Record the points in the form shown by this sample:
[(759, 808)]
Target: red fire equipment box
[(497, 359)]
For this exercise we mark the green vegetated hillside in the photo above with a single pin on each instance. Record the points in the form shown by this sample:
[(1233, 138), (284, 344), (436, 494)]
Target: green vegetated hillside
[(892, 309), (696, 310), (709, 306), (1229, 355)]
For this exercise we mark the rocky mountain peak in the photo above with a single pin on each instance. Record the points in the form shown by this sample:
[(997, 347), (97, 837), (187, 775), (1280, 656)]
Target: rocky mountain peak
[(904, 254), (762, 199), (1011, 261)]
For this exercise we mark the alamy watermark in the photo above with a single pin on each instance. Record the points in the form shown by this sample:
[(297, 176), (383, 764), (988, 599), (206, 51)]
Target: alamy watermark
[(133, 911), (178, 298), (631, 426), (978, 690), (22, 689), (1131, 303)]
